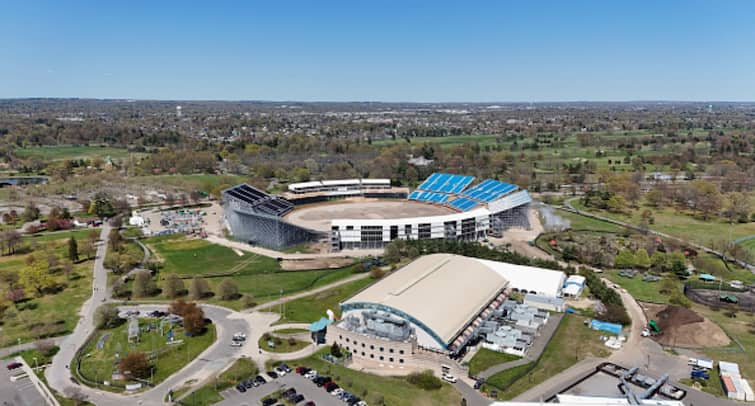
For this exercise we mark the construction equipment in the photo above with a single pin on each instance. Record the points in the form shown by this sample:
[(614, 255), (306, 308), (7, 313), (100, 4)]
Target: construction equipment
[(654, 327)]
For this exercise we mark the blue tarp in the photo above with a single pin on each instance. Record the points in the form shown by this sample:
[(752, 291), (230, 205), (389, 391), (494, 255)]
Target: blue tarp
[(605, 326), (707, 277), (319, 325)]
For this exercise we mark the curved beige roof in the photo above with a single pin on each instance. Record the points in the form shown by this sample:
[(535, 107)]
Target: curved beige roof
[(443, 291)]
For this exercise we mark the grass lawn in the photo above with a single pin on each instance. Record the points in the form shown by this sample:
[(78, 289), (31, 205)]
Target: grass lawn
[(681, 224), (486, 358), (282, 344), (61, 152), (99, 364), (256, 275), (374, 389), (741, 329), (190, 257), (639, 289), (572, 342), (310, 308), (56, 311), (445, 142), (712, 385), (579, 223), (204, 182), (290, 331), (242, 368)]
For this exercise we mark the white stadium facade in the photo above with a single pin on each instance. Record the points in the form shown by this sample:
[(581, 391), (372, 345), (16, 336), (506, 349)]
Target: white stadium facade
[(456, 210), (435, 305)]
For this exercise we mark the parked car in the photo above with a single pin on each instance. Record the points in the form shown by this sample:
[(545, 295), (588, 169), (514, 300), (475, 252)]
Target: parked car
[(310, 403), (330, 386), (311, 374), (269, 402), (321, 380), (478, 383), (272, 374), (261, 379), (235, 343), (336, 391), (13, 365), (302, 370), (645, 333), (289, 393), (280, 371), (298, 398), (449, 378), (285, 368)]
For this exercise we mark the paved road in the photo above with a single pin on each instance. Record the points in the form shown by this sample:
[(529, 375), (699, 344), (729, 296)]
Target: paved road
[(7, 351), (58, 375), (208, 363)]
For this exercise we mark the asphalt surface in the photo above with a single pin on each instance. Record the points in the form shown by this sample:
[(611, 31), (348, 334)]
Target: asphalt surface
[(19, 393), (58, 375), (211, 361), (301, 384)]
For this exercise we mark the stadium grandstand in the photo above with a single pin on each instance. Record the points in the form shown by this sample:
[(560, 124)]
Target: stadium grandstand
[(256, 217), (324, 190), (374, 213), (489, 207), (341, 185), (420, 308)]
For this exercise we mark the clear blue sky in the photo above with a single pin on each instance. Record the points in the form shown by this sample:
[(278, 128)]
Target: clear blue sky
[(379, 50)]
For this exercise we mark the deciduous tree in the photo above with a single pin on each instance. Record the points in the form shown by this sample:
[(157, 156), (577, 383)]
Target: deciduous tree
[(135, 364)]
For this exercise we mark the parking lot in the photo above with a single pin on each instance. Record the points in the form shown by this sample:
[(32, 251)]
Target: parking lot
[(253, 396), (19, 393)]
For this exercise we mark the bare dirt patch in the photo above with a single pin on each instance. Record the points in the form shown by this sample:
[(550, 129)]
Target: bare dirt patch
[(314, 263), (318, 217), (683, 327)]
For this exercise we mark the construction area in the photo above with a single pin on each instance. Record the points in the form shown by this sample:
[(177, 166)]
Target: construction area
[(319, 216), (723, 299), (682, 327)]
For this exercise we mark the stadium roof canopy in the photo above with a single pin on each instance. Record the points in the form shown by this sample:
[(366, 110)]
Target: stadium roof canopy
[(442, 291)]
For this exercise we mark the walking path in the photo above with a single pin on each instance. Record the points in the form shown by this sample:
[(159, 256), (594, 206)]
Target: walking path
[(282, 255), (7, 351), (305, 293)]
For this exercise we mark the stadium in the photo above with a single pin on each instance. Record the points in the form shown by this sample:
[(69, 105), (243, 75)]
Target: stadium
[(437, 304), (369, 213)]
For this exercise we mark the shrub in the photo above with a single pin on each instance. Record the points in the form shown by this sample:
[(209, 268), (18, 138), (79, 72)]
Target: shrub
[(106, 316), (425, 380), (247, 301), (335, 350)]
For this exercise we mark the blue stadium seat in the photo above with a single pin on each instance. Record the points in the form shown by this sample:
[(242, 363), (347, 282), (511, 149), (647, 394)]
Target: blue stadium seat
[(489, 190)]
